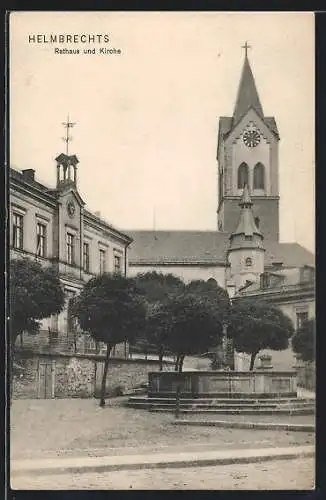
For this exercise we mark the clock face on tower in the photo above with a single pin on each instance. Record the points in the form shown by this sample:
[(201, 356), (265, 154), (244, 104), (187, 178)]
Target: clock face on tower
[(251, 138), (71, 208)]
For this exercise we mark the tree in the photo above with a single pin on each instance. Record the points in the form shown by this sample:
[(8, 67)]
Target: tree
[(219, 297), (191, 325), (303, 341), (110, 309), (211, 291), (35, 293), (157, 289), (256, 325)]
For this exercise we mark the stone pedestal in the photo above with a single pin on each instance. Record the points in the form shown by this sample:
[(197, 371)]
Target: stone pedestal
[(265, 362), (223, 384)]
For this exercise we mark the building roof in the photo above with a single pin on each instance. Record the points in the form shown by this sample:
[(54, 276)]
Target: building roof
[(287, 280), (51, 194), (204, 247), (247, 96)]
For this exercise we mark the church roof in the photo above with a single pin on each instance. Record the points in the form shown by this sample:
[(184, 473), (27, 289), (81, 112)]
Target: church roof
[(247, 96), (204, 247)]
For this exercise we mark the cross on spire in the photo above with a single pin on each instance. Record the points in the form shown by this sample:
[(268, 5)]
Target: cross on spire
[(246, 46), (67, 125)]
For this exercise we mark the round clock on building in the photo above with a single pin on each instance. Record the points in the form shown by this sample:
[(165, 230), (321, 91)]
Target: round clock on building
[(71, 208), (251, 138)]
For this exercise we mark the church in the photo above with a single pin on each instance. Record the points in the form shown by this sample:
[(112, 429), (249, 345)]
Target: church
[(244, 254)]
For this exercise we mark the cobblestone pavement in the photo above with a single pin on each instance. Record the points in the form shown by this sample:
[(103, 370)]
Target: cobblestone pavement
[(295, 474), (76, 426)]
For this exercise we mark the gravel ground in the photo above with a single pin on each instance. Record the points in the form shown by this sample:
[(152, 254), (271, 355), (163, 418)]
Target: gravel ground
[(295, 474), (79, 427)]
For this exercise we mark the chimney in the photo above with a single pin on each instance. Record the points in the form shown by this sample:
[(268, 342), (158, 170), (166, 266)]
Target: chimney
[(98, 214), (28, 174)]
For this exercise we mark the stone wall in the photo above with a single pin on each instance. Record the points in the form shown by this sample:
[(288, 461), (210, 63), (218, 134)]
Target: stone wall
[(78, 375)]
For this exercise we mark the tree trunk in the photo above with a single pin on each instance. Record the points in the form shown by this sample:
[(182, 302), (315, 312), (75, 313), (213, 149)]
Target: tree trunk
[(105, 372), (160, 360), (182, 357), (252, 360), (176, 367)]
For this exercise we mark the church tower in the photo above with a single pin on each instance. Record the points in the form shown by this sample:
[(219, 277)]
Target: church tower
[(247, 154), (246, 251)]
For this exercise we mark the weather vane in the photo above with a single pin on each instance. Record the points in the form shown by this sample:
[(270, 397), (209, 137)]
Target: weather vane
[(246, 46), (68, 124)]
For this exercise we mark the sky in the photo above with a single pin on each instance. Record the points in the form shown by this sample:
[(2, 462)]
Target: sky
[(146, 120)]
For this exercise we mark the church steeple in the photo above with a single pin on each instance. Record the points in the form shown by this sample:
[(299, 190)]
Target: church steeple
[(247, 153), (247, 96), (246, 225)]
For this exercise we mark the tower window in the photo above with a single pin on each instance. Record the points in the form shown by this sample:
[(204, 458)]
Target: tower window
[(257, 222), (259, 176), (248, 262), (243, 175)]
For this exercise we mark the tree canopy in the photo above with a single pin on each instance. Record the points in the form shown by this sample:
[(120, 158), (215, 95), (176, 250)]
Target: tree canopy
[(111, 310), (35, 293), (304, 340), (254, 326), (158, 287)]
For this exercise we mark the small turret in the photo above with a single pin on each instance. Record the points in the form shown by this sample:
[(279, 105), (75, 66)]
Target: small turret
[(246, 251)]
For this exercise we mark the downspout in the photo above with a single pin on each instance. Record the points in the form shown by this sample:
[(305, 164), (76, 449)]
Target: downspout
[(81, 264), (125, 263)]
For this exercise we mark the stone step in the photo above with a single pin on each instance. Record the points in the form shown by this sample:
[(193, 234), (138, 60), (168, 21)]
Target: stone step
[(242, 411), (219, 401), (150, 404)]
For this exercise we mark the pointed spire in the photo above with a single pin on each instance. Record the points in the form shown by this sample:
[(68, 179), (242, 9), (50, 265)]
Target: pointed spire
[(246, 224), (245, 201), (247, 96)]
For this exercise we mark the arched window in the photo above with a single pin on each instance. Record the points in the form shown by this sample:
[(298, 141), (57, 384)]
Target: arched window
[(259, 176), (257, 222), (248, 262), (242, 175)]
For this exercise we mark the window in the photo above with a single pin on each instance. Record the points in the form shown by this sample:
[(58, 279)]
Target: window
[(70, 248), (307, 274), (40, 240), (86, 256), (117, 264), (259, 176), (264, 280), (243, 175), (302, 317), (248, 262), (18, 231), (257, 222), (102, 261)]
